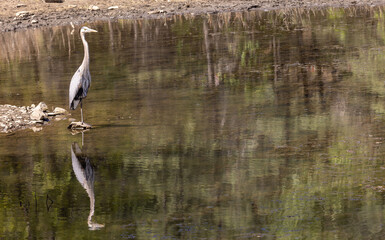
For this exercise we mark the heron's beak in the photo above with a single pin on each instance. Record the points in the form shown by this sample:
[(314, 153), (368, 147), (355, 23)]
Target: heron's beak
[(92, 30)]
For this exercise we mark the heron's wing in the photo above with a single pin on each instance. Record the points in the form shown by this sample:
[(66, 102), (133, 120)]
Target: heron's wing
[(75, 86), (86, 82)]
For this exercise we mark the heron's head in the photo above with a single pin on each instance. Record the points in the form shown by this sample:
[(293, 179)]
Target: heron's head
[(87, 30)]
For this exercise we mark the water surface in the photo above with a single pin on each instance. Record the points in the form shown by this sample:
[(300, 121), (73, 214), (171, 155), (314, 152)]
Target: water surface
[(227, 126)]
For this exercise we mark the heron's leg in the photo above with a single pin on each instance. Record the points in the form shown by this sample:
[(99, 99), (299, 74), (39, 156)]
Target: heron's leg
[(81, 110)]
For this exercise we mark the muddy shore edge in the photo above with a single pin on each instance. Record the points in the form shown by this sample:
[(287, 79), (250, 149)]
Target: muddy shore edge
[(16, 15)]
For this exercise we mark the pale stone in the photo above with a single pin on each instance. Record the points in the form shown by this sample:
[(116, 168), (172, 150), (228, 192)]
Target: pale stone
[(36, 129), (113, 7), (79, 125), (23, 14), (41, 106), (93, 8), (60, 117), (37, 121), (37, 114), (157, 11), (59, 110)]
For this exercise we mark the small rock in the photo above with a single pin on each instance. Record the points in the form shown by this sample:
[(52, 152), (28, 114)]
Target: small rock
[(37, 114), (60, 117), (41, 106), (93, 8), (72, 6), (23, 14), (37, 121), (156, 11), (59, 110), (33, 106), (34, 21), (253, 7), (113, 7), (36, 129), (79, 125), (20, 5), (54, 1)]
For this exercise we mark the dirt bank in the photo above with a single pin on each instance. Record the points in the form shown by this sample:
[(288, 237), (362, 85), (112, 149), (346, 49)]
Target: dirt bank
[(37, 13)]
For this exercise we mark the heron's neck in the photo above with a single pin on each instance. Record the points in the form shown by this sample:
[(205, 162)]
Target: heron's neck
[(86, 58)]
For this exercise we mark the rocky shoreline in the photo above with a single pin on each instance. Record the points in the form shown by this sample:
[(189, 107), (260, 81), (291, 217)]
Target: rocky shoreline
[(16, 15), (14, 118)]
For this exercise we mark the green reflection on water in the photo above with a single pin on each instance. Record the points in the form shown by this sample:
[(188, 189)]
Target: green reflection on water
[(228, 126)]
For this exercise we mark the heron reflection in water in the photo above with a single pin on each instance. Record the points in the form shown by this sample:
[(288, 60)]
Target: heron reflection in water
[(85, 175)]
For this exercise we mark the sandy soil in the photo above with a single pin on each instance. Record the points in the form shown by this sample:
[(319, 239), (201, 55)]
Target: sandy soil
[(38, 13)]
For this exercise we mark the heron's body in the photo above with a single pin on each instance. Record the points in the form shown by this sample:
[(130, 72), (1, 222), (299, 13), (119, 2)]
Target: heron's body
[(81, 80), (80, 83)]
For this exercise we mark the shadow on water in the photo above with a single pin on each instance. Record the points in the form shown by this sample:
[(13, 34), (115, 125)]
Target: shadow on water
[(85, 174)]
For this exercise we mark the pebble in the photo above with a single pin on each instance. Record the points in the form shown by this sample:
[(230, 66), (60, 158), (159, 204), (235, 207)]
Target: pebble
[(59, 110), (41, 106), (60, 117), (23, 14), (36, 129), (53, 1), (156, 12), (37, 114), (93, 8), (79, 125), (113, 7)]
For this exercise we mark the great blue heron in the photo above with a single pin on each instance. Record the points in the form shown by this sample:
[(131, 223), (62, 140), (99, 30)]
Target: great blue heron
[(81, 80)]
